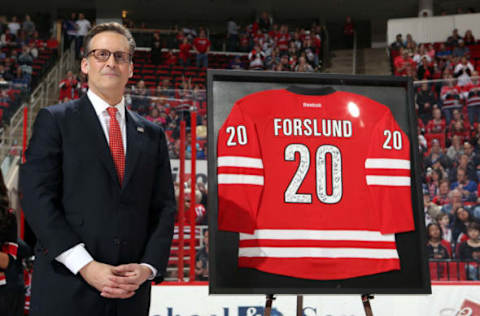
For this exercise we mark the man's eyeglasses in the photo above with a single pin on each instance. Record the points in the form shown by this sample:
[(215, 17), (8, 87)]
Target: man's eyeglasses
[(104, 54)]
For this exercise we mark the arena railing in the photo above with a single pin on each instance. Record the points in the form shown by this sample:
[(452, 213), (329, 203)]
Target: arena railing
[(454, 270)]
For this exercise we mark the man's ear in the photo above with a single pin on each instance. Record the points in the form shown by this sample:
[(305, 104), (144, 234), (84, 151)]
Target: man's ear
[(130, 70), (84, 66)]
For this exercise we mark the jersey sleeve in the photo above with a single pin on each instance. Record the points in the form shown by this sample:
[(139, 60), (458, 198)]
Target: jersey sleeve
[(239, 173), (387, 172)]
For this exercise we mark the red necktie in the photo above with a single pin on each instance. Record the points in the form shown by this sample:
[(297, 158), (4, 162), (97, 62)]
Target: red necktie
[(116, 143)]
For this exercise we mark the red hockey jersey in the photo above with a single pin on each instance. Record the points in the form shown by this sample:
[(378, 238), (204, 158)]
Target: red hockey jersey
[(316, 185)]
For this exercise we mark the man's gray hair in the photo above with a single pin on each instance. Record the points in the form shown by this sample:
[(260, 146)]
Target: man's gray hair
[(109, 27)]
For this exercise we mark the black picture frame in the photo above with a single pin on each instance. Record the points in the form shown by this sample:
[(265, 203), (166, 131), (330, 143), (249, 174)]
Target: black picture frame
[(224, 87)]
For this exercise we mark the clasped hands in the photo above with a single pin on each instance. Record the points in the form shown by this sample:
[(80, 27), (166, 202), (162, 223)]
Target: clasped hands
[(115, 281)]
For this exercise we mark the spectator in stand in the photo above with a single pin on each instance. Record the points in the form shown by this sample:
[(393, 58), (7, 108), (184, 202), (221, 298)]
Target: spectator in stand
[(5, 73), (465, 186), (311, 52), (403, 62), (83, 85), (431, 209), (201, 260), (425, 70), (154, 116), (426, 102), (461, 50), (202, 129), (244, 43), (25, 60), (179, 37), (420, 54), (170, 58), (463, 71), (437, 156), (140, 101), (453, 39), (303, 66), (437, 124), (472, 96), (442, 197), (444, 221), (409, 42), (201, 44), (52, 42), (232, 35), (430, 51), (70, 29), (461, 218), (184, 53), (292, 49), (466, 248), (165, 89), (14, 26), (156, 49), (398, 42), (265, 21), (433, 181), (236, 63), (82, 26), (21, 79), (456, 148), (272, 60), (348, 30), (437, 247), (464, 163), (12, 292), (450, 96), (256, 57), (473, 157), (468, 39), (69, 87), (28, 26), (443, 52), (282, 39)]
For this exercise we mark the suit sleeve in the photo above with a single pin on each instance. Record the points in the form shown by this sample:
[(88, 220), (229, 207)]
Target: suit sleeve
[(162, 214), (41, 187), (240, 173), (388, 177)]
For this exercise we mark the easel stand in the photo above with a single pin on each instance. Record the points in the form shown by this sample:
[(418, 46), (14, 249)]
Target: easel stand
[(269, 301), (366, 304), (270, 297), (268, 304)]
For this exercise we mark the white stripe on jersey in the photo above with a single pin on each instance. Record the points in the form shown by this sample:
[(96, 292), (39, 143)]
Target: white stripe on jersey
[(304, 252), (239, 161), (307, 234), (226, 178), (388, 180), (386, 163)]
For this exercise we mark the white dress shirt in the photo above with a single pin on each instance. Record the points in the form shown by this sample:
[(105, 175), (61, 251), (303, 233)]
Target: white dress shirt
[(77, 257)]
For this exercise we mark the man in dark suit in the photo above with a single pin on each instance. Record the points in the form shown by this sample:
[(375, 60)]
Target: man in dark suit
[(97, 191)]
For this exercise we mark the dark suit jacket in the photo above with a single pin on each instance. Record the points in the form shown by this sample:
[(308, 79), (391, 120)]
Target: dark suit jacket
[(71, 194)]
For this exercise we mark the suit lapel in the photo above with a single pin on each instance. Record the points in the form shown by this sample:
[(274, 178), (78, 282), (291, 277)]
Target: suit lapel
[(135, 137), (95, 134)]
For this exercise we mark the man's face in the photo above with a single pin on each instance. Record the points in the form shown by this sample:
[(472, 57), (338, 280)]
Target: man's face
[(468, 148), (460, 175), (107, 77)]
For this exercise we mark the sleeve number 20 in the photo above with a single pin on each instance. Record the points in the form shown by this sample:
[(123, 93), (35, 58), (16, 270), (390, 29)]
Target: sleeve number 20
[(394, 139), (237, 136)]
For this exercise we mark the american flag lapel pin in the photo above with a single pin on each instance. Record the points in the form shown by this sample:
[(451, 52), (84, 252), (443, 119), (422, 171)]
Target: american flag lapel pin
[(140, 129)]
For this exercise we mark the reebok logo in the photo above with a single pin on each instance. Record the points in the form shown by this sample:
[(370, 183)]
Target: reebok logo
[(312, 105)]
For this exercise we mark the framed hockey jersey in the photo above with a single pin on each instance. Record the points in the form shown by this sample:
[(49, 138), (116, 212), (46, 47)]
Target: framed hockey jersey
[(314, 185)]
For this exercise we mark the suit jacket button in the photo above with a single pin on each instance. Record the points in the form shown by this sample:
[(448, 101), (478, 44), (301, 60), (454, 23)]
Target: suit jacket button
[(116, 241)]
